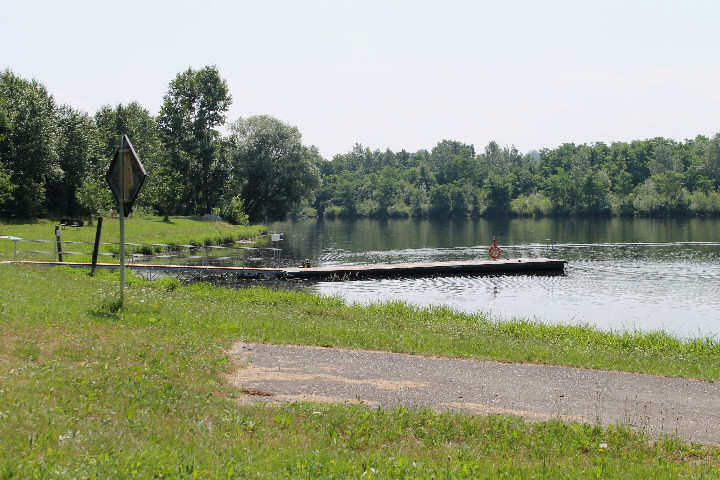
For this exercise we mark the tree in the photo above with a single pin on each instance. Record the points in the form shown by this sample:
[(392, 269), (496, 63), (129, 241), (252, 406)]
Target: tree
[(498, 194), (271, 168), (6, 188), (78, 150), (94, 196), (442, 157), (166, 191), (142, 129), (27, 152), (6, 185), (192, 109)]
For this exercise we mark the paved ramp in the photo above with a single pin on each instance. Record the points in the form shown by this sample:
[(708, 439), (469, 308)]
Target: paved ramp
[(652, 404)]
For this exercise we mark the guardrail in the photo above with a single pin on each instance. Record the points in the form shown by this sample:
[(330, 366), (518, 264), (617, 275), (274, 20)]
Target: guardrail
[(238, 256)]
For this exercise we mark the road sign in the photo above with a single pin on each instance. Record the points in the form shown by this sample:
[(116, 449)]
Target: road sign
[(133, 175)]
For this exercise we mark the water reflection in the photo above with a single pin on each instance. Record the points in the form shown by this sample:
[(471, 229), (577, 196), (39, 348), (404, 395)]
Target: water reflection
[(622, 273)]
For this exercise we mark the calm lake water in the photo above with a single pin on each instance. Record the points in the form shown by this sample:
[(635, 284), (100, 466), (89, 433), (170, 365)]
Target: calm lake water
[(623, 274)]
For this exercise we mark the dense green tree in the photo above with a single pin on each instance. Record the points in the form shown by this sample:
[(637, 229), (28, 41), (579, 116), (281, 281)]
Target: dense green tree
[(6, 188), (271, 169), (164, 184), (498, 194), (595, 193), (193, 108), (6, 185), (28, 151), (93, 195), (444, 159), (79, 153)]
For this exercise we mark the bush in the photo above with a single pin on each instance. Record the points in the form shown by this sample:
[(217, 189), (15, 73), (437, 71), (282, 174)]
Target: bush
[(536, 204), (233, 212), (399, 209)]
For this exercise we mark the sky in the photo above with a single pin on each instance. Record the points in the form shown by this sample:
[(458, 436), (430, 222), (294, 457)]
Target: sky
[(395, 74)]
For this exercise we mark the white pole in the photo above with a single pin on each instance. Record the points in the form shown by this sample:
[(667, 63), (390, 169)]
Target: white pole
[(121, 212)]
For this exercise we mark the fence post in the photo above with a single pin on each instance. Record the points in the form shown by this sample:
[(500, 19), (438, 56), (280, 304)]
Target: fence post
[(96, 248), (58, 232), (15, 252)]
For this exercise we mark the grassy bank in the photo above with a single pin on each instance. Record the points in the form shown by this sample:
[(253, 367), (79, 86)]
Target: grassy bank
[(88, 390), (145, 230)]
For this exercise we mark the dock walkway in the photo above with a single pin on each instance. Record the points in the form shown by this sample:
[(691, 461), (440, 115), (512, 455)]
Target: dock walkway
[(342, 272)]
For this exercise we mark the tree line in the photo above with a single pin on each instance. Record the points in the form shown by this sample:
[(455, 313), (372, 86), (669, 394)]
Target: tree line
[(53, 159), (653, 177)]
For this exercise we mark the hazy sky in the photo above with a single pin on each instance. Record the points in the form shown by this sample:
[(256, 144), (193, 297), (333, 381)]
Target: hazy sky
[(393, 73)]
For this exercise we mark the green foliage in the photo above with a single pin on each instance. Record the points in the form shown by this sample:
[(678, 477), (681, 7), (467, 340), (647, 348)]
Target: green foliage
[(272, 171), (48, 153), (28, 150), (233, 211), (532, 205), (80, 160), (6, 188), (133, 120), (193, 108), (94, 196)]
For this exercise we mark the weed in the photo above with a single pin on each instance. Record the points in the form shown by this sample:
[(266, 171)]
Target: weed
[(111, 305)]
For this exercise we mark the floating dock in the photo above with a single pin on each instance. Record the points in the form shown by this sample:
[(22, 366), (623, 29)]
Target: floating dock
[(475, 267), (542, 266)]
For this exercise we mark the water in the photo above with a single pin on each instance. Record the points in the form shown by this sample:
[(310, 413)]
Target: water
[(623, 274)]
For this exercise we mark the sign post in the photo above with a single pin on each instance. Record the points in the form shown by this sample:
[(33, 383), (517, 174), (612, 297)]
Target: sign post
[(125, 177)]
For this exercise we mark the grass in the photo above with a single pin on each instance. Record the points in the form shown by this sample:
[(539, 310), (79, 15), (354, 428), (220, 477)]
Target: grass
[(92, 389), (145, 230)]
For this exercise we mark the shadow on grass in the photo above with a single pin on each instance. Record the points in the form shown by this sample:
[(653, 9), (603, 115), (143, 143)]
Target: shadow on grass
[(25, 221)]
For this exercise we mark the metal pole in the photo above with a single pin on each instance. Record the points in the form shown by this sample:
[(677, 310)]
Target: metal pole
[(121, 212), (15, 252)]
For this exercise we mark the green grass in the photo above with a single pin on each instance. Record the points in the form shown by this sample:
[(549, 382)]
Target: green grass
[(90, 389), (145, 230)]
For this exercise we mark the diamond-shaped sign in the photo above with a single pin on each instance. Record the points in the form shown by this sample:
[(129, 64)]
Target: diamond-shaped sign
[(133, 176)]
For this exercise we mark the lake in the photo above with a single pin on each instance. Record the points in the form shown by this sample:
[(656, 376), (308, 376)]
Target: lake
[(622, 273)]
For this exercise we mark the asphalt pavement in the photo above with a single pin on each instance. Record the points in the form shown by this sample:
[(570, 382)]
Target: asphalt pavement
[(655, 405)]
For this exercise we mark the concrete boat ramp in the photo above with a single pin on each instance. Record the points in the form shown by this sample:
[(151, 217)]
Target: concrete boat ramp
[(541, 266)]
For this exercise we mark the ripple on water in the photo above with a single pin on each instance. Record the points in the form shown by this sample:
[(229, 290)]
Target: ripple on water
[(675, 287)]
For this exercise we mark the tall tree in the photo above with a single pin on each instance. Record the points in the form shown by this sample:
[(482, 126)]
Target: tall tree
[(27, 152), (142, 129), (78, 150), (6, 185), (192, 109), (271, 168)]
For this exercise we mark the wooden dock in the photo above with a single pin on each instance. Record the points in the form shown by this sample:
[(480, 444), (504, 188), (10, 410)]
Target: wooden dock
[(515, 266), (474, 267)]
